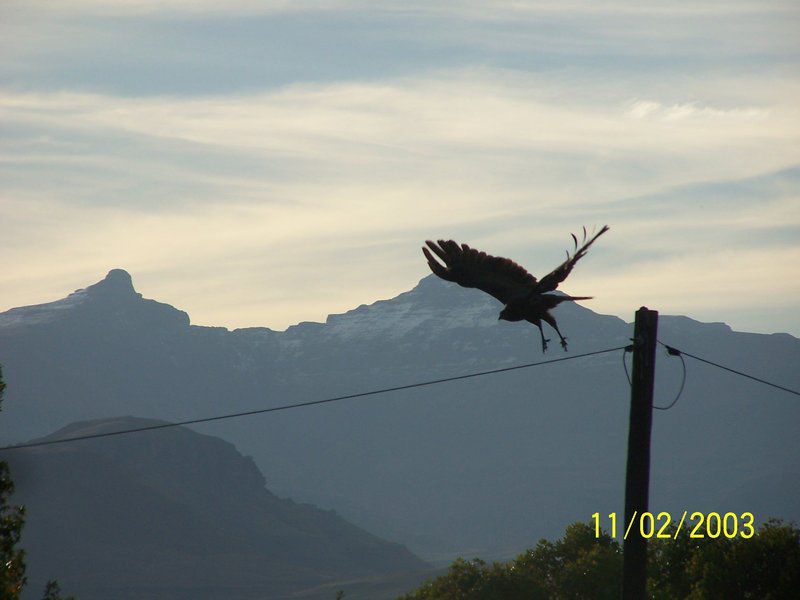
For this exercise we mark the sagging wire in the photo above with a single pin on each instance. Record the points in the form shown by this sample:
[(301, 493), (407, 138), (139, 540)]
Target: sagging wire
[(671, 352), (674, 352), (625, 365)]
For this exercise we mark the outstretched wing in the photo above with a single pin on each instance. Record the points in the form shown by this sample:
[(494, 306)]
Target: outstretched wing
[(500, 277), (550, 281)]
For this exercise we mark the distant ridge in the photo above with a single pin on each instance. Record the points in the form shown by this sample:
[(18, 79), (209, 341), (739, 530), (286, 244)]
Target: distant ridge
[(479, 467)]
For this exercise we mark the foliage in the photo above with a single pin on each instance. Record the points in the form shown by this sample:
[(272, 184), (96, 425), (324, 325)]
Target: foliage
[(766, 566), (12, 559), (579, 566), (53, 592), (12, 518)]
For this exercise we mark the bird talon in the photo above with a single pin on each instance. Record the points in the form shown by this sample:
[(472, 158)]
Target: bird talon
[(564, 344)]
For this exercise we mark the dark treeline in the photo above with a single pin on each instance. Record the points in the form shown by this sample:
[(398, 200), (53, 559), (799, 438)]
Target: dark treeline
[(580, 565)]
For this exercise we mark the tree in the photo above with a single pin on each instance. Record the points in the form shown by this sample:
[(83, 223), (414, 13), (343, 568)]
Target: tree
[(52, 591), (12, 518), (581, 566), (576, 566), (766, 565)]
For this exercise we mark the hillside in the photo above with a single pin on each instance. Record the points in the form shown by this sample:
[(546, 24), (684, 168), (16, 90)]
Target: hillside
[(177, 514)]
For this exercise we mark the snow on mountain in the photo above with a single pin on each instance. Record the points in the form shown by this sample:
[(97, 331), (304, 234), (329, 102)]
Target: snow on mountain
[(117, 285), (421, 307), (41, 313)]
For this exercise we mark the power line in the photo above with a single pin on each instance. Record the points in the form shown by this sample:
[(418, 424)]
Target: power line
[(625, 365), (309, 403), (675, 352)]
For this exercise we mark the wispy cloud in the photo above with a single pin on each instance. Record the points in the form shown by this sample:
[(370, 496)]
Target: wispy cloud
[(366, 171), (643, 109), (414, 122), (265, 167), (470, 8)]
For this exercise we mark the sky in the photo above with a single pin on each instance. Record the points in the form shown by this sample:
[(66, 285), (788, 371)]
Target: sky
[(263, 163)]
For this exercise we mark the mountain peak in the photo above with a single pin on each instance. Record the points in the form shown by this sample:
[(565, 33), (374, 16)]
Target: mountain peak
[(112, 301), (119, 277), (117, 283)]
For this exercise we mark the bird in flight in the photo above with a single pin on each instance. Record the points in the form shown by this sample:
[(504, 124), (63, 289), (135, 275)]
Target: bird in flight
[(525, 297)]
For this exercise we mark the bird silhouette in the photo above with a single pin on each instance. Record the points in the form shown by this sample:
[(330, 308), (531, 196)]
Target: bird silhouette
[(524, 296)]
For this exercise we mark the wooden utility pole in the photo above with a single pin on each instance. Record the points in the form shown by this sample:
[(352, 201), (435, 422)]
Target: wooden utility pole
[(637, 476)]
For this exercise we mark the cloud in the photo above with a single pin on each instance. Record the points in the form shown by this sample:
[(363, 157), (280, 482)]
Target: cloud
[(709, 285), (140, 48), (469, 8), (272, 207), (438, 127), (261, 162), (642, 109)]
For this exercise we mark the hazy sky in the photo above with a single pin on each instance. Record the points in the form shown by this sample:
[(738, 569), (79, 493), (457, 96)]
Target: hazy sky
[(264, 163)]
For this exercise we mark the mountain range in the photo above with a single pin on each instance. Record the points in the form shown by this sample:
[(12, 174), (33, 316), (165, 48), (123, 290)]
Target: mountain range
[(483, 466)]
